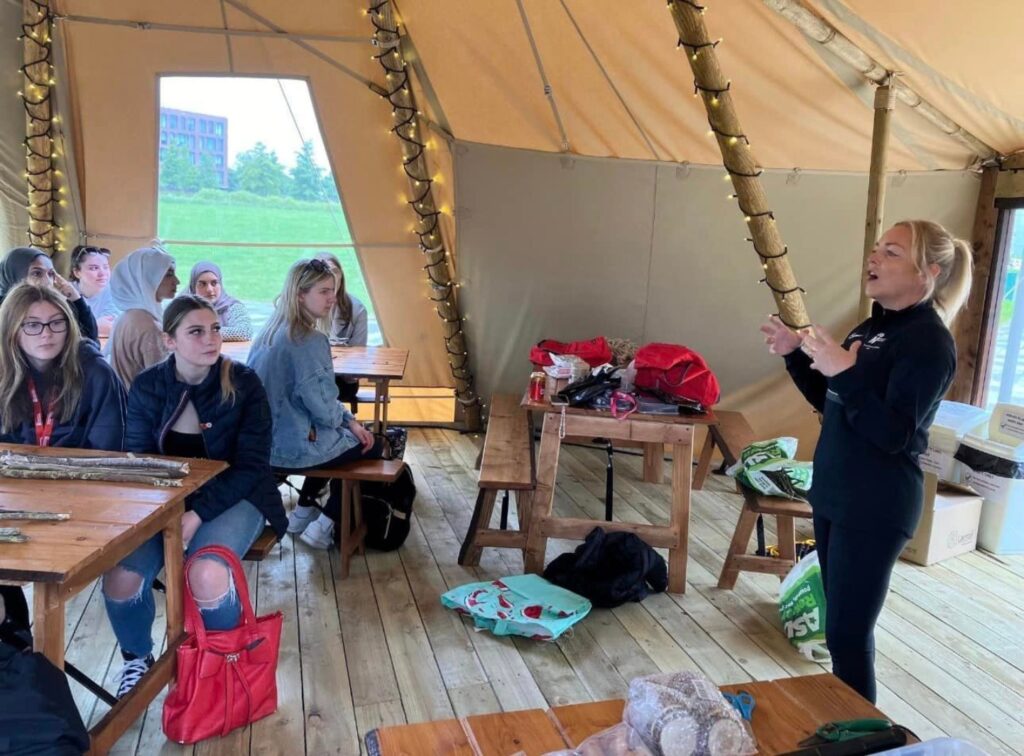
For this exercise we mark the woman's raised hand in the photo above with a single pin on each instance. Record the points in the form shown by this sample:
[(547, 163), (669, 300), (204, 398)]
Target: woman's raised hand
[(65, 287), (781, 340)]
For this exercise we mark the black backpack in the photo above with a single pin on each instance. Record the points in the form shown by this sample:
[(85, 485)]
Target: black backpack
[(387, 511), (610, 569)]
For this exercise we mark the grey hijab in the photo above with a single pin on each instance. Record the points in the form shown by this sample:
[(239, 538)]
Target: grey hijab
[(14, 267)]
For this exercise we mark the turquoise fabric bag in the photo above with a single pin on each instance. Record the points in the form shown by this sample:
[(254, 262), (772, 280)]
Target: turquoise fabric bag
[(525, 605)]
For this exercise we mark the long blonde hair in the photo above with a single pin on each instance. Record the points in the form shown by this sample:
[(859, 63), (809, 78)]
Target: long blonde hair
[(931, 244), (344, 301), (288, 310), (65, 372), (176, 311)]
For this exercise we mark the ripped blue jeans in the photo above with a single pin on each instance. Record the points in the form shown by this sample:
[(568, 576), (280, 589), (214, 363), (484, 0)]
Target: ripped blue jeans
[(132, 619)]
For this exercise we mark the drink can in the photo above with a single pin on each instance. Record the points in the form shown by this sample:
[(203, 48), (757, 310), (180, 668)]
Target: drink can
[(537, 381)]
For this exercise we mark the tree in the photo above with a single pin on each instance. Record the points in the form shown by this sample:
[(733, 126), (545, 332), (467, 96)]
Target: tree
[(207, 176), (259, 171), (177, 174), (307, 176)]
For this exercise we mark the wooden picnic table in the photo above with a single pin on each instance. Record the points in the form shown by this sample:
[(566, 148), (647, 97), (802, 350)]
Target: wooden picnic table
[(378, 365), (109, 520), (786, 711), (655, 430)]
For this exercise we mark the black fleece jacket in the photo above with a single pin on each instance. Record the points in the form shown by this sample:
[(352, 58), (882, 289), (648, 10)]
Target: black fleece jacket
[(876, 417)]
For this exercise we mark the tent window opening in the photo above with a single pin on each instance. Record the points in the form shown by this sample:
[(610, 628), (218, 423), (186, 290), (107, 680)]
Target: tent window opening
[(257, 196), (1005, 380)]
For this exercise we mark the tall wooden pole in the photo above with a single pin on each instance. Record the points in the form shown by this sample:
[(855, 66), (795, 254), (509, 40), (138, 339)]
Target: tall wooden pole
[(885, 101), (438, 259), (37, 27), (713, 88)]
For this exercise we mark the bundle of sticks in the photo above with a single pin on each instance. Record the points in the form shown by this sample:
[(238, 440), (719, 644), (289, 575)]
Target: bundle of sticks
[(130, 469)]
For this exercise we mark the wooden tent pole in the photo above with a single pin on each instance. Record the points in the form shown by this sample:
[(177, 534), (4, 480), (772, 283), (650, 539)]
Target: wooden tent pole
[(37, 29), (404, 116), (738, 158), (885, 102)]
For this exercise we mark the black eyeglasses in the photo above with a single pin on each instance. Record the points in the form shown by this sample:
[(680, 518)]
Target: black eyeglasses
[(35, 327)]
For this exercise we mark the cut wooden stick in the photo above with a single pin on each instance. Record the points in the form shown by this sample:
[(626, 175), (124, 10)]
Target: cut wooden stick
[(22, 514), (12, 535)]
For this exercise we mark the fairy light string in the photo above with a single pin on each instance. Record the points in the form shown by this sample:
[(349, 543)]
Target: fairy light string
[(714, 89), (397, 90), (39, 143)]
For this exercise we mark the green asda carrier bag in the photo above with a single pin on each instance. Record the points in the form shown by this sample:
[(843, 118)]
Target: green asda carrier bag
[(802, 608), (769, 468)]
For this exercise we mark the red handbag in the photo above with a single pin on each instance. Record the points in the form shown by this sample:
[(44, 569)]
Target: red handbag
[(594, 352), (227, 678), (678, 371)]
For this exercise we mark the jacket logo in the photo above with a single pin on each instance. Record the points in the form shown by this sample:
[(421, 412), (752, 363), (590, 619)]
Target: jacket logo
[(877, 338)]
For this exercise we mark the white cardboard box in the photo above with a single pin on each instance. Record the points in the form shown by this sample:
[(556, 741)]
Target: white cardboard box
[(949, 524)]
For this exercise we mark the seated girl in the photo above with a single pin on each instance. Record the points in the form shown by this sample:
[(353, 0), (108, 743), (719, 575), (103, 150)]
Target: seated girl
[(90, 274), (30, 265), (347, 322), (140, 282), (207, 282), (311, 427), (196, 403), (55, 387)]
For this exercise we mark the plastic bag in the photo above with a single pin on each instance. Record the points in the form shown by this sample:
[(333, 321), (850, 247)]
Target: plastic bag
[(802, 608), (769, 467), (620, 740)]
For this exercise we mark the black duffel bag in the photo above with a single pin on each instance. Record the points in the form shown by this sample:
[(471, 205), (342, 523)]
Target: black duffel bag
[(387, 511)]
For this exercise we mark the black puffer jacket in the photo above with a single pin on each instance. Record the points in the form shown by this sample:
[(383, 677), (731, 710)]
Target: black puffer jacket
[(237, 432)]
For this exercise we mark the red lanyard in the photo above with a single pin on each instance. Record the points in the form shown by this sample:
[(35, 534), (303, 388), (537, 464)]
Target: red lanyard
[(43, 430)]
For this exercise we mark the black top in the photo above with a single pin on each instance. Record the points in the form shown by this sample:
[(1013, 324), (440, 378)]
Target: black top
[(876, 418), (184, 445)]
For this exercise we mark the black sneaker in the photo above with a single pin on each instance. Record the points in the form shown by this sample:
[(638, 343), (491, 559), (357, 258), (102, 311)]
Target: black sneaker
[(131, 673)]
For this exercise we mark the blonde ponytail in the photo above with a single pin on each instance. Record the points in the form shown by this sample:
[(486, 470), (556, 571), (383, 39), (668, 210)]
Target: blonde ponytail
[(931, 244)]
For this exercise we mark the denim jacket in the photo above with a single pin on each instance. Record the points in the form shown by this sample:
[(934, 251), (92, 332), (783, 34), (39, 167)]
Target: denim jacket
[(309, 421)]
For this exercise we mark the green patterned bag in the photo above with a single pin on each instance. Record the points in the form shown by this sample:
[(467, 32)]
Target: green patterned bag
[(802, 608), (768, 467)]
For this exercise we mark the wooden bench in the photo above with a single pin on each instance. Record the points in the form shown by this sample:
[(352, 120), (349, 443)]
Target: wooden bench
[(506, 464), (262, 546), (731, 435), (352, 529)]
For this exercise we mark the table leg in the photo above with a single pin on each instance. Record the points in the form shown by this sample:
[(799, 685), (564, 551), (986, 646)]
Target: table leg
[(654, 463), (704, 463), (679, 519), (48, 622), (385, 400), (173, 570), (544, 493)]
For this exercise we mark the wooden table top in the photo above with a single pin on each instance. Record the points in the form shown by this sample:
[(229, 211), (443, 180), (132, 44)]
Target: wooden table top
[(785, 712), (708, 418), (358, 362), (103, 514)]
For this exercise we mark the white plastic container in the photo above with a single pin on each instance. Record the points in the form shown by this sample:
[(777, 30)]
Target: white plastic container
[(952, 422), (995, 474), (938, 747)]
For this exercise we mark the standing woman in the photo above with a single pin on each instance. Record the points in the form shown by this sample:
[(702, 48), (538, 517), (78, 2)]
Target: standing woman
[(30, 265), (878, 392), (90, 274), (207, 282), (311, 427), (140, 282), (347, 322), (197, 404)]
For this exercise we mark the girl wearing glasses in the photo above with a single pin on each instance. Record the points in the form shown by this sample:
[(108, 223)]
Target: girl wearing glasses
[(311, 427), (55, 387), (30, 265), (140, 282), (199, 404), (90, 274), (207, 282)]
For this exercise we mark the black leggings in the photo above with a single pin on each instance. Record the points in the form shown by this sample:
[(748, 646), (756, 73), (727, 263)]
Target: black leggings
[(313, 487), (855, 569)]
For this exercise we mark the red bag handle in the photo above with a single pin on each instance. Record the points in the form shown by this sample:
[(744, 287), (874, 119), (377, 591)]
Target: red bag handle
[(193, 619)]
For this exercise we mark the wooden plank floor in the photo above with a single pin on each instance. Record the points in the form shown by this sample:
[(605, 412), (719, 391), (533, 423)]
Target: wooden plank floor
[(378, 648)]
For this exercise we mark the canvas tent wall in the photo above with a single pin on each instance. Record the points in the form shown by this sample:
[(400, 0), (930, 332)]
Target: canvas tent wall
[(544, 249)]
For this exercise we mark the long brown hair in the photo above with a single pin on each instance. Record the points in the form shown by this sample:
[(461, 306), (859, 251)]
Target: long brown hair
[(65, 372), (344, 300), (931, 244), (176, 311)]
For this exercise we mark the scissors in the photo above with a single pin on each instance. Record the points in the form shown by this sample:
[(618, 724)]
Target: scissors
[(743, 702), (835, 732)]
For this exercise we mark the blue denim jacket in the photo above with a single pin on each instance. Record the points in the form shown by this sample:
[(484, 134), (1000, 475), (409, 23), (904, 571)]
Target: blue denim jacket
[(309, 421)]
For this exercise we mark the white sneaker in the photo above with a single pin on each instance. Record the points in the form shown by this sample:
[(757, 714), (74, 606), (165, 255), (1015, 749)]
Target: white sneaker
[(319, 534), (300, 518)]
